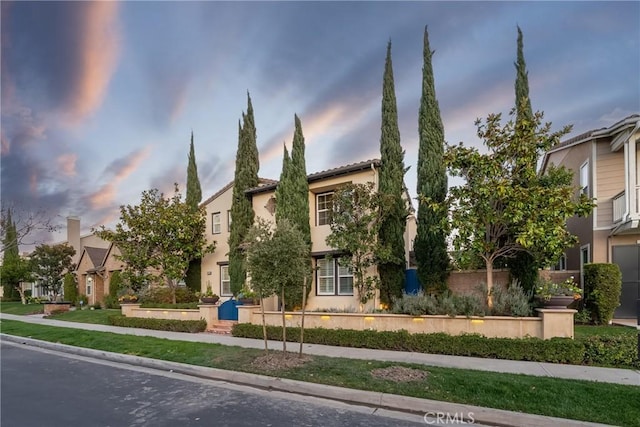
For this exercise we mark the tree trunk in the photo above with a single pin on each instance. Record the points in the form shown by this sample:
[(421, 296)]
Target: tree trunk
[(489, 267), (304, 303), (264, 324), (23, 299), (284, 326)]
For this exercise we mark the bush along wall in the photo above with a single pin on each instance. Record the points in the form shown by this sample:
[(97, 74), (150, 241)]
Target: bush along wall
[(602, 285), (191, 326), (595, 350)]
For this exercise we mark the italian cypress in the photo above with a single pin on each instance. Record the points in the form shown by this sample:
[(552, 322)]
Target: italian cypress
[(292, 198), (430, 245), (246, 177), (193, 198), (523, 267), (10, 258), (391, 187)]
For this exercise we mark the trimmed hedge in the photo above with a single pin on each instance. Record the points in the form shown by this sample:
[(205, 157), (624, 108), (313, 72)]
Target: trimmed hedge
[(191, 326), (178, 306), (595, 350), (603, 285)]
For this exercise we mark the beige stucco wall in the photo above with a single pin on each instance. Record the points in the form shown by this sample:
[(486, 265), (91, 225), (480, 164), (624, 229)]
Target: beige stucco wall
[(210, 269), (609, 181)]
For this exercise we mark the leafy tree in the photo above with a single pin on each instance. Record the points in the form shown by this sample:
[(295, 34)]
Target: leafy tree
[(115, 284), (430, 245), (523, 266), (193, 198), (14, 269), (50, 264), (392, 172), (292, 197), (355, 223), (246, 177), (160, 235), (25, 224), (70, 288), (494, 214), (277, 260)]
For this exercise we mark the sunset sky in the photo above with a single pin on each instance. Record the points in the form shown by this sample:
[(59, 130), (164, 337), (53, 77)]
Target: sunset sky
[(99, 98)]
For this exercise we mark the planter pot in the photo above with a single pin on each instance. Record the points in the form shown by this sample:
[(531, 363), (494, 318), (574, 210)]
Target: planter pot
[(248, 301), (209, 300), (557, 301)]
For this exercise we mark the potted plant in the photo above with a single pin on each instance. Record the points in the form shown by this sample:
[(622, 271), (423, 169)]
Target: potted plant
[(128, 298), (209, 297), (558, 295), (247, 297)]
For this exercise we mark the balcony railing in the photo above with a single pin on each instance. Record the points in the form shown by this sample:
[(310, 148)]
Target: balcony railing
[(618, 206)]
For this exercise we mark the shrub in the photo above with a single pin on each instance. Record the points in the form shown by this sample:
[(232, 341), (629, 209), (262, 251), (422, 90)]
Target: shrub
[(556, 350), (192, 326), (513, 301), (162, 295), (111, 301), (70, 288), (97, 306), (443, 304), (583, 316), (115, 285), (84, 299), (183, 305), (603, 284), (611, 350)]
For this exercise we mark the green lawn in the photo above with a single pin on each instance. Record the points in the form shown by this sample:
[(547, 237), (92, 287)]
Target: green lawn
[(583, 331), (573, 399), (87, 316), (19, 308)]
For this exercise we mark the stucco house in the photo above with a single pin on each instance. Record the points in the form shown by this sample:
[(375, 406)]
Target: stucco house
[(95, 270), (606, 166), (332, 285)]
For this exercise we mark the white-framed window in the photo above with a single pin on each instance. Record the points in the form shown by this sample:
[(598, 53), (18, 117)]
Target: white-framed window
[(332, 278), (229, 220), (89, 285), (561, 264), (324, 204), (225, 281), (585, 258), (216, 227), (584, 178)]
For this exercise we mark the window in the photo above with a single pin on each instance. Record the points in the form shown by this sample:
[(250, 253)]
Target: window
[(89, 285), (323, 208), (229, 221), (225, 281), (561, 264), (585, 258), (584, 178), (215, 223), (328, 273)]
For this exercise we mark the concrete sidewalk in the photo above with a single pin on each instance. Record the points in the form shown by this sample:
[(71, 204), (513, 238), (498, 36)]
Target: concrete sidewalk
[(482, 416), (591, 373)]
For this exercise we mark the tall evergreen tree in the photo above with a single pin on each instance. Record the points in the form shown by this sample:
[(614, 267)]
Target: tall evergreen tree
[(246, 176), (392, 186), (194, 191), (11, 265), (292, 197), (193, 198), (523, 267), (430, 245)]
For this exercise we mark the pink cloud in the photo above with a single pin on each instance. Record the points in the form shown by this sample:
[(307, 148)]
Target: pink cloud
[(67, 164), (99, 46)]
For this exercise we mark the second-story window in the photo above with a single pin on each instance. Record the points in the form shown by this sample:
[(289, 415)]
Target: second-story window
[(229, 221), (216, 227), (584, 178), (324, 204)]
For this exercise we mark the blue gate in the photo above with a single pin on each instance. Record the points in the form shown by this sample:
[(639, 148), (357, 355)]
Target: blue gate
[(411, 283), (228, 310)]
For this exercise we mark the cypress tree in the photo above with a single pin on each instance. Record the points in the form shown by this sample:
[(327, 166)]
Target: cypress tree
[(391, 187), (10, 258), (246, 177), (193, 198), (292, 198), (430, 245), (523, 267)]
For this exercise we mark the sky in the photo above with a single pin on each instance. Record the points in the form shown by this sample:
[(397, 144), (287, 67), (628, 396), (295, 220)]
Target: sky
[(99, 99)]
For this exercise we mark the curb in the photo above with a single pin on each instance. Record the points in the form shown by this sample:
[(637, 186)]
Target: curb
[(475, 414)]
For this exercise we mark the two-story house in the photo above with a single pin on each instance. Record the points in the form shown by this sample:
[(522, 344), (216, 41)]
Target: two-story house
[(332, 285), (606, 165)]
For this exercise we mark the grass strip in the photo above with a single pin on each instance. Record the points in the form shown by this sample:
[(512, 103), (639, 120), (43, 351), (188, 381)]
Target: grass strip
[(573, 399), (13, 307)]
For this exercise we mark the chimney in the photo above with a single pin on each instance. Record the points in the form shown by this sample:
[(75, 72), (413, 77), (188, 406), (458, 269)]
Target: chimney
[(73, 235)]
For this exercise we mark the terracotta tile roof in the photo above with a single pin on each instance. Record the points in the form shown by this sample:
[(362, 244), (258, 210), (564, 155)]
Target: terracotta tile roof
[(328, 173)]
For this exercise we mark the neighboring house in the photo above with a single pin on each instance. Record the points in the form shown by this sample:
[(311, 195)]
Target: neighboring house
[(94, 271), (332, 285), (606, 166)]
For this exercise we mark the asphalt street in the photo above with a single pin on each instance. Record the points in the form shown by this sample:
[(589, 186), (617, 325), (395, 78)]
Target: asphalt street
[(46, 388)]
